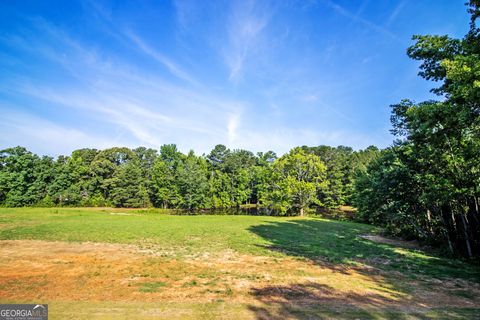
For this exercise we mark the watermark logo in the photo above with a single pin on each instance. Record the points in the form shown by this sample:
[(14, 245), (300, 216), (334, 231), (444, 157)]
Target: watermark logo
[(23, 311)]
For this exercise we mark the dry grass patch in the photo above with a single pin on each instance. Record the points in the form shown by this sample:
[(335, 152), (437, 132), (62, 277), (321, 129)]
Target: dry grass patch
[(33, 270), (91, 264)]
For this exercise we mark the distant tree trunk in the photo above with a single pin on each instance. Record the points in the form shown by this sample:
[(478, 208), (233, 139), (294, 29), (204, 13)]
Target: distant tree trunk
[(446, 232), (429, 219), (475, 202), (301, 211), (475, 198), (465, 234), (454, 222)]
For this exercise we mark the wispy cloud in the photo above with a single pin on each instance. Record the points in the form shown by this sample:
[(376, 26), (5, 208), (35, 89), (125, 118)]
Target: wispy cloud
[(172, 67), (185, 10), (396, 12), (152, 109), (122, 33), (254, 77), (358, 19), (362, 7), (233, 124), (46, 137), (281, 140), (246, 22)]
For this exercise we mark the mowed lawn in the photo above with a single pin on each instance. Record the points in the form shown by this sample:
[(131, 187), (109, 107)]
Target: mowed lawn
[(140, 264)]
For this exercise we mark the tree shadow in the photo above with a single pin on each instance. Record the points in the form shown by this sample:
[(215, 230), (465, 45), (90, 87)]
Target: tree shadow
[(315, 301), (339, 247)]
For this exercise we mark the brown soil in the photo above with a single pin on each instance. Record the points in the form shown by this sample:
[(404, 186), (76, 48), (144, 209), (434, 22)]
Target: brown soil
[(394, 242), (59, 271)]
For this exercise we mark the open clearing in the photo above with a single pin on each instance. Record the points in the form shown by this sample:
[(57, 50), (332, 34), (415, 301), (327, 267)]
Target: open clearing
[(91, 264)]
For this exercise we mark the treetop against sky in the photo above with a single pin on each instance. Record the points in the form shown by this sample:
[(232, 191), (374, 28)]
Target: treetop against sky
[(259, 75)]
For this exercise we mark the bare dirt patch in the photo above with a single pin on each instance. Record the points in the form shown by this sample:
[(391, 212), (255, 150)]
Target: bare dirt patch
[(123, 214), (61, 271), (393, 242)]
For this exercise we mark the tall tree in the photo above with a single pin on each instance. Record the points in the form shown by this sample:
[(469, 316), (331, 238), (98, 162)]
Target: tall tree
[(164, 177), (296, 179), (192, 182), (128, 188), (437, 151), (23, 177)]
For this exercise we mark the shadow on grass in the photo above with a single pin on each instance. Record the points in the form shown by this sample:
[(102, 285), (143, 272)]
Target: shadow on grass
[(319, 301), (339, 246)]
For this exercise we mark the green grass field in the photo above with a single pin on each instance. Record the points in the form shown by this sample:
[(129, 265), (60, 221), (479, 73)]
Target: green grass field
[(113, 262)]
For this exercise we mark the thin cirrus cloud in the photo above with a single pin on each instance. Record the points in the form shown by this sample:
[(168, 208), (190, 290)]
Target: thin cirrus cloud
[(50, 138), (250, 74), (245, 25), (168, 63), (365, 22), (124, 96)]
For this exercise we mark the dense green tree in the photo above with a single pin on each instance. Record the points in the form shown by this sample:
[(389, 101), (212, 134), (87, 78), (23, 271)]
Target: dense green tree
[(435, 163), (217, 156), (219, 190), (259, 174), (266, 158), (104, 167), (147, 157), (238, 165), (128, 187), (295, 180), (192, 182), (23, 177), (164, 177), (336, 161), (65, 188), (142, 177), (342, 166), (231, 174), (81, 163)]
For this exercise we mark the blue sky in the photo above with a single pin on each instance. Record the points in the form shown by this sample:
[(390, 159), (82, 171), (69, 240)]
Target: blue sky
[(260, 75)]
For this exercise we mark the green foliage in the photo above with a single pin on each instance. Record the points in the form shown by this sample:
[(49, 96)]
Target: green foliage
[(305, 178), (294, 181), (165, 191), (428, 185), (24, 177), (127, 187), (342, 166), (192, 182), (46, 202)]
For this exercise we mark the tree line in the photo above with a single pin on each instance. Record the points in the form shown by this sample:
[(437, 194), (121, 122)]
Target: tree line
[(305, 177), (427, 185)]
